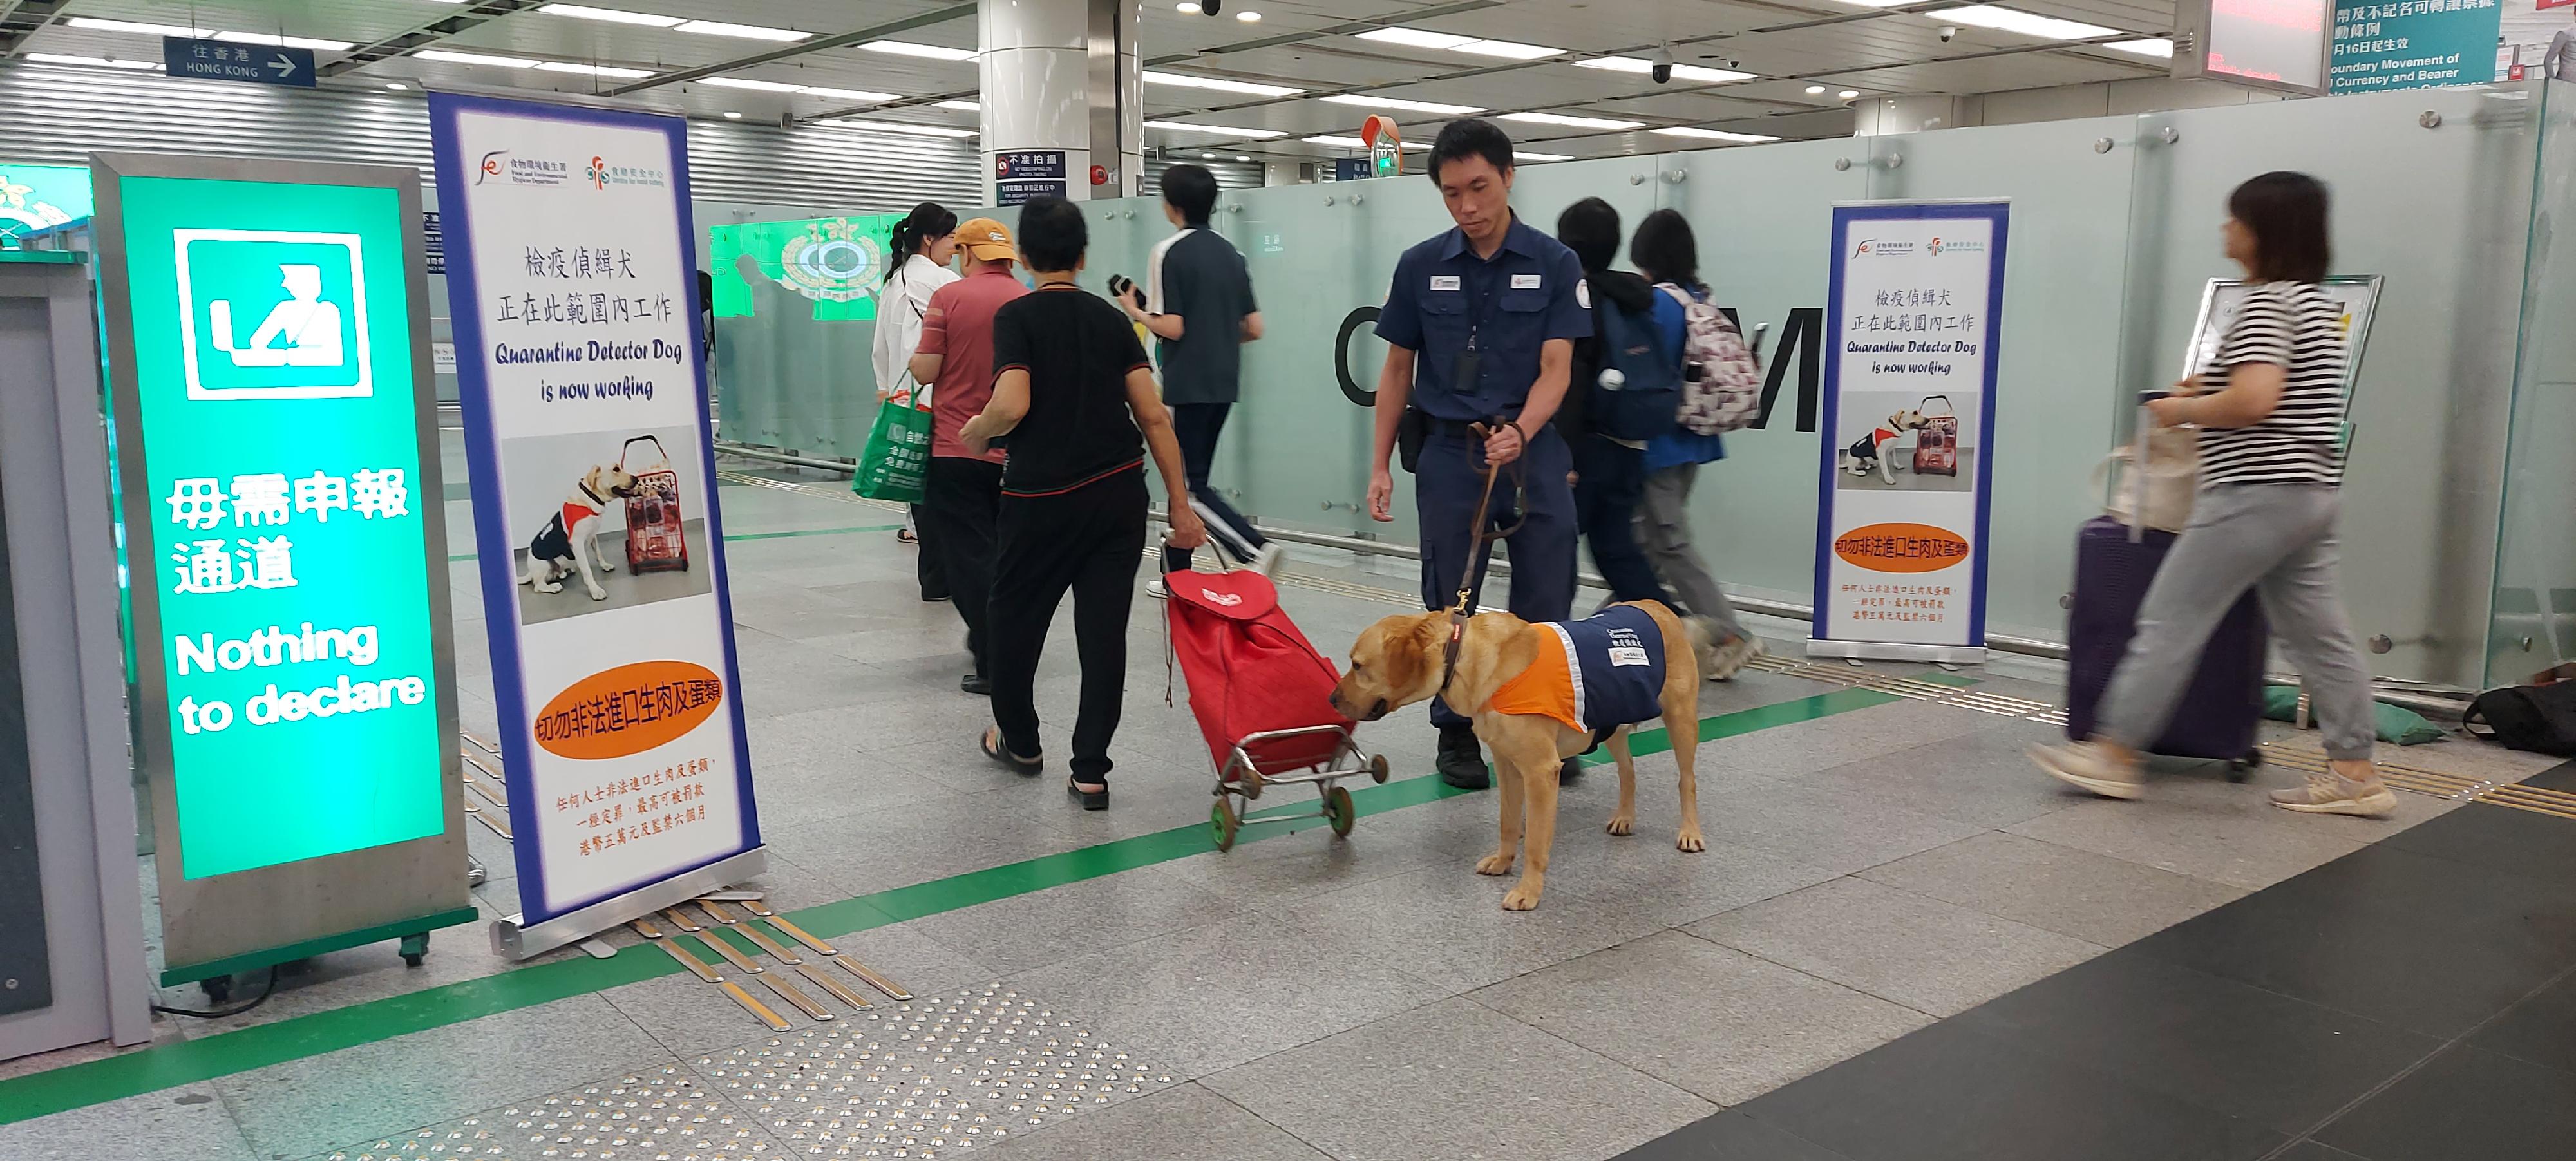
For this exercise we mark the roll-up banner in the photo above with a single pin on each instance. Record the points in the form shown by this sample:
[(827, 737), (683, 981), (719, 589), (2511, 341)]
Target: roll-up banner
[(580, 370), (1913, 326)]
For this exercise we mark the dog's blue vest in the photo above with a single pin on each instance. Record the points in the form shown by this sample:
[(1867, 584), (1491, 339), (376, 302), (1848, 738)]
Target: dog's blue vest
[(1611, 672)]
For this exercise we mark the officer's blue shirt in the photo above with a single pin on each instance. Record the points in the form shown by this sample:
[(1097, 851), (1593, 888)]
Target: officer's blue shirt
[(1444, 297)]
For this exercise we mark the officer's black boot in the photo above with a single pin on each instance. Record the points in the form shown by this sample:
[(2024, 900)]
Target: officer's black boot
[(1460, 763), (1569, 772)]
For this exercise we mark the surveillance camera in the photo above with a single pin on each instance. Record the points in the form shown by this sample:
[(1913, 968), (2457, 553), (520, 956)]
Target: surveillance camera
[(1210, 7), (1948, 32), (1663, 68)]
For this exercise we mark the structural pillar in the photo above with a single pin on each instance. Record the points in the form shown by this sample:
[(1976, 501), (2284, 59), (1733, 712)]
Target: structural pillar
[(1061, 93)]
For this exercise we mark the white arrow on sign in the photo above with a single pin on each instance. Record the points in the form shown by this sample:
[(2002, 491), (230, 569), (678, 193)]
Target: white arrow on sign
[(285, 66)]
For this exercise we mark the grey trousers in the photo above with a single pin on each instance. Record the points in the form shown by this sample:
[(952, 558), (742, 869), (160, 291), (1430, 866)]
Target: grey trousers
[(1663, 530), (2278, 539)]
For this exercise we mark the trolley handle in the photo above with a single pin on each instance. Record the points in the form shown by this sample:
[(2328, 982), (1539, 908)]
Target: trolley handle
[(629, 445)]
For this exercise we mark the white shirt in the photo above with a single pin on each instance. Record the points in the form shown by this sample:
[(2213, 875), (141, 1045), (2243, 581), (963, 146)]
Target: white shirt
[(901, 305)]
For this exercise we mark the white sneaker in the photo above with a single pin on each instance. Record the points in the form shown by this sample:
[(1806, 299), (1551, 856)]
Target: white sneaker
[(2332, 793), (1267, 561), (2090, 766), (1156, 589), (1726, 660)]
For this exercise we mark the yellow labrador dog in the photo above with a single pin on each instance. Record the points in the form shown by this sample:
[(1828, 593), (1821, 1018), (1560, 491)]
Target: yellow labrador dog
[(1406, 658)]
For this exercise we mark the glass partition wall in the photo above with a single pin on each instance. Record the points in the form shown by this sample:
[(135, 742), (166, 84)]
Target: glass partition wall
[(2463, 414)]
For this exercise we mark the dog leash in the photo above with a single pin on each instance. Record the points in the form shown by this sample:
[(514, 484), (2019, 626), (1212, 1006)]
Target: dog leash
[(1477, 538)]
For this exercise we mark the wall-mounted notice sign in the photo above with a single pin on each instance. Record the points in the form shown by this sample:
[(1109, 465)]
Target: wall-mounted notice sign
[(1025, 175), (2414, 44), (574, 301), (285, 547), (2273, 44), (1912, 330)]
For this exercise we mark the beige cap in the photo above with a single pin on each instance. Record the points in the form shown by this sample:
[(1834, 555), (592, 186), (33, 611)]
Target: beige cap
[(986, 239)]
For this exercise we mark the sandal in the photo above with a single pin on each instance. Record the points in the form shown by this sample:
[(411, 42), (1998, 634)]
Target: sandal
[(992, 747), (908, 536), (1091, 799)]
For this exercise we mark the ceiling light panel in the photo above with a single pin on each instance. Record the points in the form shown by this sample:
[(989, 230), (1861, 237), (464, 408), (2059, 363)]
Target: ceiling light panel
[(1402, 105), (1220, 84), (898, 127), (586, 12), (97, 24), (2015, 20), (317, 44), (960, 106), (559, 66), (1473, 46), (1696, 74), (1572, 122), (740, 31), (1715, 135), (475, 58), (1216, 130), (750, 83), (924, 51), (93, 61), (2155, 46), (1525, 155)]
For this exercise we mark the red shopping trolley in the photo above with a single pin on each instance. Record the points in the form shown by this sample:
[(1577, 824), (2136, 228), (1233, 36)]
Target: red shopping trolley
[(1262, 695), (1936, 445), (655, 541)]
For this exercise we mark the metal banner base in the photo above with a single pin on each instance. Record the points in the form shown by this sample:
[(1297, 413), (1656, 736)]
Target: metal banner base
[(512, 940), (1898, 651)]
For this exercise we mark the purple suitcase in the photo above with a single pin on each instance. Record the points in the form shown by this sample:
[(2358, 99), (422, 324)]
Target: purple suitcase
[(2218, 713)]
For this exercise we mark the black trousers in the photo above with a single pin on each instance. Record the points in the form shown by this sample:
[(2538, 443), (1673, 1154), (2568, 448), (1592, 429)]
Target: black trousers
[(927, 567), (1609, 483), (1195, 426), (961, 501), (1088, 541)]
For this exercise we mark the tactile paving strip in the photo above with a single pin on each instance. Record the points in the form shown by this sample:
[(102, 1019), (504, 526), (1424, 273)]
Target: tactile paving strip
[(2306, 757), (931, 1078), (665, 1114), (1965, 697)]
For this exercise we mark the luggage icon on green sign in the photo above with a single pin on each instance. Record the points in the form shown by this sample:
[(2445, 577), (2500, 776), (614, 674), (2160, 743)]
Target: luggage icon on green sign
[(272, 314)]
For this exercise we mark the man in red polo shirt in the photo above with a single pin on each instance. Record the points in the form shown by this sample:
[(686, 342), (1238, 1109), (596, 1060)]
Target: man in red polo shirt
[(962, 491)]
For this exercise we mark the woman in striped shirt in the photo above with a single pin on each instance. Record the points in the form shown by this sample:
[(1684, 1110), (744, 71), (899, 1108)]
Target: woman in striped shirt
[(2270, 409)]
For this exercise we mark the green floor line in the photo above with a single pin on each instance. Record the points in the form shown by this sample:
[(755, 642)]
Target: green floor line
[(229, 1053), (764, 535)]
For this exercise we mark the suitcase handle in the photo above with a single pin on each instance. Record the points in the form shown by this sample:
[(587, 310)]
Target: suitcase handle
[(656, 441), (2138, 467)]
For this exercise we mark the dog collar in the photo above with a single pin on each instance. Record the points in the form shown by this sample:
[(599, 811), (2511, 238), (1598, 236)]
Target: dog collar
[(594, 496), (1449, 655)]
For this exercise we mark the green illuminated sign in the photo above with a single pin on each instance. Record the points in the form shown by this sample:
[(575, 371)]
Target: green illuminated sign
[(836, 263), (285, 548), (33, 197)]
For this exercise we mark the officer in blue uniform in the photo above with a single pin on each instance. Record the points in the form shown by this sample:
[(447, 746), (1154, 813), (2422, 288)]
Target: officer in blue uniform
[(1480, 324)]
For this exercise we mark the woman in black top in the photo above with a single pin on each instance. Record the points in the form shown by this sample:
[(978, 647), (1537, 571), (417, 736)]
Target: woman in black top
[(1072, 389)]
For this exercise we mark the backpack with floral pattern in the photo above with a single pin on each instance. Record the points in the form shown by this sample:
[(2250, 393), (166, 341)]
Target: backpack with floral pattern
[(1721, 376)]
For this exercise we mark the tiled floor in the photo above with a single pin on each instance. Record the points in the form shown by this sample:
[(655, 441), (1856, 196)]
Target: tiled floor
[(1890, 897)]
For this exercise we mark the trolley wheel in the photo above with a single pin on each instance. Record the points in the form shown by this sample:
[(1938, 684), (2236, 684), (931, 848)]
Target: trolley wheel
[(1377, 769), (218, 989), (1340, 810), (414, 947), (2239, 769), (1222, 823), (1249, 782)]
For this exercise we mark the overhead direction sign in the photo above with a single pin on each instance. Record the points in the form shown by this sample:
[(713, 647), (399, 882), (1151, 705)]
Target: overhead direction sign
[(258, 64)]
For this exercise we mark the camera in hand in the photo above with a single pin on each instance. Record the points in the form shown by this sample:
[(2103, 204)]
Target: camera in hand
[(1121, 286)]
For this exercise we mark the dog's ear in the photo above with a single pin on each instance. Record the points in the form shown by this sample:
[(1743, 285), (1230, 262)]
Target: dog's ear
[(1407, 651)]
